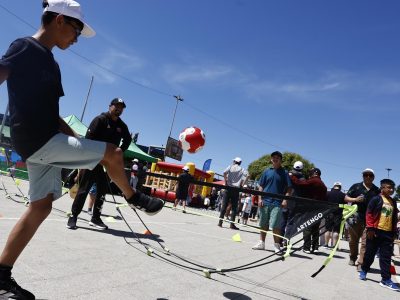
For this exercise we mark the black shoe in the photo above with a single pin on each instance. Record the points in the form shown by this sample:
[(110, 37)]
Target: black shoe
[(10, 289), (220, 223), (72, 222), (232, 226), (98, 223), (145, 203)]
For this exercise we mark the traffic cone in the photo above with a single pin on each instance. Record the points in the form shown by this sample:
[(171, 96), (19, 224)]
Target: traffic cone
[(147, 232), (236, 238)]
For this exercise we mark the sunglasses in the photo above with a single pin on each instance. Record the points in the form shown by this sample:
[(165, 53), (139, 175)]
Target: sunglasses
[(73, 25), (368, 175)]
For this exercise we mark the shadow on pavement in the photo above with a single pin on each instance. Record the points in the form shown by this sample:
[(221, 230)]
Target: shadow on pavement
[(235, 296)]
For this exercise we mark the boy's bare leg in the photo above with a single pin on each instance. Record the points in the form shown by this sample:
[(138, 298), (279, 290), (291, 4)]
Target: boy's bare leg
[(114, 164), (25, 228)]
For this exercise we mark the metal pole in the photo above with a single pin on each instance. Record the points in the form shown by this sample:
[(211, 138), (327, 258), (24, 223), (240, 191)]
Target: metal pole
[(178, 98), (388, 170), (87, 98), (2, 123)]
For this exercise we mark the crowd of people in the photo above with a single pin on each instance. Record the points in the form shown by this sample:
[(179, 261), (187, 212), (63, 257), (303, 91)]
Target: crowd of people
[(34, 86), (375, 224)]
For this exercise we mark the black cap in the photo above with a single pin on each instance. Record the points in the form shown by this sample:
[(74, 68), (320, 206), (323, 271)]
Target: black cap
[(316, 171), (388, 181), (117, 101), (276, 153)]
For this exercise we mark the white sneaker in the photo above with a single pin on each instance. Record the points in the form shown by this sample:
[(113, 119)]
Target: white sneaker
[(277, 247), (259, 246)]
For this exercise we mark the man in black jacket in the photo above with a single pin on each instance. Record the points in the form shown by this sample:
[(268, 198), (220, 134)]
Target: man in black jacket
[(106, 127)]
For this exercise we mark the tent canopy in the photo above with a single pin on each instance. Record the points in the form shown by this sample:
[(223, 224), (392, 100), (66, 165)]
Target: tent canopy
[(132, 152), (76, 125), (135, 152)]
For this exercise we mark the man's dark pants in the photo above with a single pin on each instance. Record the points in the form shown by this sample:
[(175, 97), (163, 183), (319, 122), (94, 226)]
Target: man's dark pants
[(384, 242), (311, 237), (233, 197), (86, 180)]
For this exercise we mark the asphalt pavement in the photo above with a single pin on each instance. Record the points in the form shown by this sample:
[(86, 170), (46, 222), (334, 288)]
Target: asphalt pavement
[(118, 263)]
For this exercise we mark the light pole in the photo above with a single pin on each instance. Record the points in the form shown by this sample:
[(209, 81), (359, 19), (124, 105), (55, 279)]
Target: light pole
[(388, 170), (178, 98)]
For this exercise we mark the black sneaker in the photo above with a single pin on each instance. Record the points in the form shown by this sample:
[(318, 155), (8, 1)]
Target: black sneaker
[(71, 224), (145, 203), (98, 223), (10, 289), (232, 226)]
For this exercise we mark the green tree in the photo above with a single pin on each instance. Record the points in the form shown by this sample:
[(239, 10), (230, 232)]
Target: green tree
[(258, 166)]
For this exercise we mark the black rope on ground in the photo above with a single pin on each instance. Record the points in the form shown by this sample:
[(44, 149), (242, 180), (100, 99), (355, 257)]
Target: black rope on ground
[(211, 270)]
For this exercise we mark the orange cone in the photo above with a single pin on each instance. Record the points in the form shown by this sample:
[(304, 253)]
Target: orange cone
[(147, 232)]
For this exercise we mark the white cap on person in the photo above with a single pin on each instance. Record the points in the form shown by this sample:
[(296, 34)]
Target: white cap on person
[(237, 159), (368, 170), (298, 165), (185, 168), (71, 9)]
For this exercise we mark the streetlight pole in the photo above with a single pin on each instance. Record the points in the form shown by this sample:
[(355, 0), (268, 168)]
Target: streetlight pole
[(388, 170), (178, 98)]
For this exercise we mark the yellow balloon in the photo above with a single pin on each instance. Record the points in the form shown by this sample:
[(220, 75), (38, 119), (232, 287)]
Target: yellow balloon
[(17, 181)]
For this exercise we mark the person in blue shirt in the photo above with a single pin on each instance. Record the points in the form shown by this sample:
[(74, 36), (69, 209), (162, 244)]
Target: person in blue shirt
[(273, 180)]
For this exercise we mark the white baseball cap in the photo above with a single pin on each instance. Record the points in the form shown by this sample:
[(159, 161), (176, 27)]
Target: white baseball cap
[(368, 170), (135, 160), (237, 159), (337, 183), (71, 9), (185, 168), (298, 165)]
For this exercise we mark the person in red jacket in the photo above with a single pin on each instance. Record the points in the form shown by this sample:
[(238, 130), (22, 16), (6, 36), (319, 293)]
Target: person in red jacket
[(381, 222), (313, 188)]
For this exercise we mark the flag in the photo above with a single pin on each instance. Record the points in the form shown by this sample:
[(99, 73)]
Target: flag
[(207, 165)]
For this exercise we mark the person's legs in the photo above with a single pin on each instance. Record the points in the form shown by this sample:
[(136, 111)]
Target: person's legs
[(225, 200), (363, 244), (354, 231), (370, 251), (385, 253), (85, 183), (114, 164), (234, 201), (24, 229), (307, 239), (315, 236), (184, 204), (328, 237), (264, 222), (275, 222)]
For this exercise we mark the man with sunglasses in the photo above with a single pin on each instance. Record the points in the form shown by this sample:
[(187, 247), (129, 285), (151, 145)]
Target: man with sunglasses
[(360, 193)]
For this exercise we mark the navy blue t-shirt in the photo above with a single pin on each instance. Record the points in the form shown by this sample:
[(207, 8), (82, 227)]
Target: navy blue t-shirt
[(34, 88)]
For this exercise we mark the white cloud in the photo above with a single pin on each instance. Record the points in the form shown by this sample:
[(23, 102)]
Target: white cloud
[(180, 74), (113, 63)]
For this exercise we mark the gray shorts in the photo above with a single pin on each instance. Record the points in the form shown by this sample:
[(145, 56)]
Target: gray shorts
[(61, 151)]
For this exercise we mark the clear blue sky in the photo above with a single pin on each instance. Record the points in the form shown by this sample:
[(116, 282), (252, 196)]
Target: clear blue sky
[(319, 78)]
